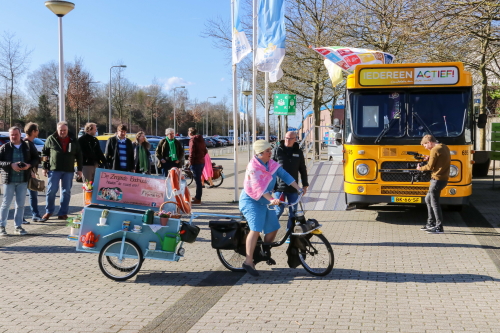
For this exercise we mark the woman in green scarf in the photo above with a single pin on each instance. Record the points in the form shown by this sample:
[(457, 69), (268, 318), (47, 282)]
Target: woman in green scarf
[(170, 152), (142, 156)]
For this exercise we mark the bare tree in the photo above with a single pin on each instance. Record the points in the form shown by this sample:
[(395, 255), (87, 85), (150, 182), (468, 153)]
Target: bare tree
[(44, 81), (79, 94), (14, 61)]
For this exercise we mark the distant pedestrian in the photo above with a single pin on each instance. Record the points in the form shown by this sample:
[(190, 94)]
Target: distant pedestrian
[(31, 130), (439, 164), (93, 156), (169, 153), (142, 155), (197, 152), (119, 151), (16, 159), (289, 155), (59, 154)]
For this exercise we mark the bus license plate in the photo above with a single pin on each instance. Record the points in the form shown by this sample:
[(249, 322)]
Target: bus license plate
[(406, 199)]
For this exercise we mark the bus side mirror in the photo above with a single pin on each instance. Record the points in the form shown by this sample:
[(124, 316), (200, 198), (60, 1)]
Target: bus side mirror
[(481, 120)]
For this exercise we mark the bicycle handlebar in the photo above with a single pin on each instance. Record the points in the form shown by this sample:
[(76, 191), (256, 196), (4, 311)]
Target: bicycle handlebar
[(273, 207)]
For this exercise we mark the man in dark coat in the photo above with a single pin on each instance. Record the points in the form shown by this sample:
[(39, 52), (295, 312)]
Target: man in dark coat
[(167, 160), (197, 152), (59, 154), (291, 158), (16, 159), (91, 151), (119, 151)]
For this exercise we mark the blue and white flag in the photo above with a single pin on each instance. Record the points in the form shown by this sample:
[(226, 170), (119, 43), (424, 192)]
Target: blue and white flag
[(271, 38), (241, 46), (244, 86)]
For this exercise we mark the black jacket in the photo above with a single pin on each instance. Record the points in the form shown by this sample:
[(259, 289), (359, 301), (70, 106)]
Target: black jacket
[(137, 166), (30, 155), (163, 152), (293, 163), (59, 160), (112, 154), (91, 150)]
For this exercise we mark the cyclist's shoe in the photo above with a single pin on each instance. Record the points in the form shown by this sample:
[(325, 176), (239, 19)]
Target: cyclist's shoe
[(271, 261), (250, 270)]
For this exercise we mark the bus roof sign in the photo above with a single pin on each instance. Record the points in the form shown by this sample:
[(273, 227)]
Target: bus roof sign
[(407, 76)]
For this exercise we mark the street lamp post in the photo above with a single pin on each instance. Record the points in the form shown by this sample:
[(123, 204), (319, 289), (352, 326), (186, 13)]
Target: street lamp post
[(110, 122), (60, 8), (207, 111), (88, 111), (175, 103)]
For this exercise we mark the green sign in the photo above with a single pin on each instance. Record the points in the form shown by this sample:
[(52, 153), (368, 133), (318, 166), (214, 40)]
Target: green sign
[(495, 136), (495, 155), (495, 146), (495, 127), (284, 104)]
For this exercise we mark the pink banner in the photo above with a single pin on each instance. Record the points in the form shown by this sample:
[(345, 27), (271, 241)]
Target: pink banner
[(130, 189)]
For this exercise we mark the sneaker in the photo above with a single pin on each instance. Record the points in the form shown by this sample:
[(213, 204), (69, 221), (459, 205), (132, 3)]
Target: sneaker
[(435, 230), (25, 222), (287, 240), (427, 227), (3, 232), (36, 219), (20, 231)]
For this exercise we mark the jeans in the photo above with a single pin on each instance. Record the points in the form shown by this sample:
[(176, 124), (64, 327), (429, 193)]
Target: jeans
[(290, 197), (165, 167), (34, 203), (197, 170), (435, 215), (9, 190), (66, 179)]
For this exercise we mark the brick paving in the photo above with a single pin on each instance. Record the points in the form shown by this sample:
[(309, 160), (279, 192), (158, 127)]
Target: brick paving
[(388, 277)]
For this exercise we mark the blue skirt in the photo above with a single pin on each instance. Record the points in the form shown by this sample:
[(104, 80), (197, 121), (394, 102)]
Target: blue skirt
[(258, 216)]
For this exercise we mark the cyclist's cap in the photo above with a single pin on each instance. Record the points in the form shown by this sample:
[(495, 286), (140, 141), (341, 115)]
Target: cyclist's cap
[(427, 138), (260, 145)]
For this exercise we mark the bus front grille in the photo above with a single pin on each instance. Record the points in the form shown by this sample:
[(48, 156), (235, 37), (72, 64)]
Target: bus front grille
[(404, 190), (401, 177)]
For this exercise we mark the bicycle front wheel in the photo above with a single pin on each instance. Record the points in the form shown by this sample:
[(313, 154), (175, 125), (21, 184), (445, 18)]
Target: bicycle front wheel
[(122, 269), (317, 258), (218, 182), (231, 259)]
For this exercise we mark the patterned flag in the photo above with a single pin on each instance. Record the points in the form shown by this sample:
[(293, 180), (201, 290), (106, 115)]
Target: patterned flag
[(241, 46), (348, 58), (271, 38)]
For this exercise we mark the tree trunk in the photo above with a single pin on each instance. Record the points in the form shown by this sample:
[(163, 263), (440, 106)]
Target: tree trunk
[(11, 111), (484, 87)]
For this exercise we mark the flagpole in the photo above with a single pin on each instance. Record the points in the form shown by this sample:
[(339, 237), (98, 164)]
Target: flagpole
[(254, 85), (266, 112), (235, 118)]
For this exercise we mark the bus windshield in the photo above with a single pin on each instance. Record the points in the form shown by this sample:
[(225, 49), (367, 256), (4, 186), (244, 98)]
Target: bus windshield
[(372, 112), (442, 113)]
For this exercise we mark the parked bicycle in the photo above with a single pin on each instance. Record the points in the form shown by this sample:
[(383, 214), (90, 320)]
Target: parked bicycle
[(308, 246), (217, 178)]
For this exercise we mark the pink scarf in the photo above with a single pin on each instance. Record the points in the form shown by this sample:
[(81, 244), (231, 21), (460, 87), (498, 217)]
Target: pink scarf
[(257, 178)]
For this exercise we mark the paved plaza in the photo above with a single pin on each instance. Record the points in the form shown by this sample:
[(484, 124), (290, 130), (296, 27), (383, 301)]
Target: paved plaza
[(388, 277)]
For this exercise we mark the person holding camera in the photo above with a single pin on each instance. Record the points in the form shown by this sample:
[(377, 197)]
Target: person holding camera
[(16, 159), (439, 162)]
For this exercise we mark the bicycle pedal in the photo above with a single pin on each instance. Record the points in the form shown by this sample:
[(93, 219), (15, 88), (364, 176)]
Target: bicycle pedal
[(271, 261)]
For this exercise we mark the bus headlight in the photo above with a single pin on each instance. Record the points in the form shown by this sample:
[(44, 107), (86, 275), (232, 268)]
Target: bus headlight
[(362, 169), (453, 171)]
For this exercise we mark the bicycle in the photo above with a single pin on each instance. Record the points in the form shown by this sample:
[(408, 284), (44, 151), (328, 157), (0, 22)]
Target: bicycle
[(188, 175), (314, 251)]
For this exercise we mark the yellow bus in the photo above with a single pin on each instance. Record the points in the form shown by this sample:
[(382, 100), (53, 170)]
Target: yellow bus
[(388, 110)]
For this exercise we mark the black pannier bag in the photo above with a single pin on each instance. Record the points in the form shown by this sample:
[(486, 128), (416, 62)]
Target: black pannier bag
[(226, 235), (189, 232)]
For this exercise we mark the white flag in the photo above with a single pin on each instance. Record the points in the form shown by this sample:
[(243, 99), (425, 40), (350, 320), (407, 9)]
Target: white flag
[(241, 46)]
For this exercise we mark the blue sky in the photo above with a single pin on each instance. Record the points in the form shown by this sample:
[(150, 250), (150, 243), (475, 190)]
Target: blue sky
[(154, 38)]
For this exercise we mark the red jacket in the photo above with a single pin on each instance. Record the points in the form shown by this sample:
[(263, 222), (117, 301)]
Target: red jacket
[(197, 150)]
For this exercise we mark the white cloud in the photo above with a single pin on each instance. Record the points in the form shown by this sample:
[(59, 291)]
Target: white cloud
[(175, 81), (223, 79)]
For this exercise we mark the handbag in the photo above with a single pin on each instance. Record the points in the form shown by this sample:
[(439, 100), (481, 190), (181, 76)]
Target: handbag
[(226, 235), (36, 184), (189, 232)]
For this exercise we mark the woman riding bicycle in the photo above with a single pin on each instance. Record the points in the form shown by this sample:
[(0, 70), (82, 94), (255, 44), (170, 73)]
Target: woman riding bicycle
[(260, 178)]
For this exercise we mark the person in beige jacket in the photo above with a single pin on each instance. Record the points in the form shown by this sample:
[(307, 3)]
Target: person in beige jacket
[(439, 162)]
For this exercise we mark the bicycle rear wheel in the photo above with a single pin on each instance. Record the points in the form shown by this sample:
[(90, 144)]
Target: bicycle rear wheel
[(189, 177), (317, 258), (231, 259), (218, 182)]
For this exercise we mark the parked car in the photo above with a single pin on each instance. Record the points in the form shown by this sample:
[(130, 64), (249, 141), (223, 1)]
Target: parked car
[(229, 139), (222, 141), (209, 143)]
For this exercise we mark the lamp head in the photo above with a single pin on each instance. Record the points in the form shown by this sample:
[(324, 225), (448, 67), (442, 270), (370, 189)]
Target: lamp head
[(247, 92), (59, 7), (124, 66)]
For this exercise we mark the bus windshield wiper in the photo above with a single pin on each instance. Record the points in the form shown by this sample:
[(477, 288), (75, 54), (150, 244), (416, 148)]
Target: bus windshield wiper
[(387, 127), (420, 120)]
